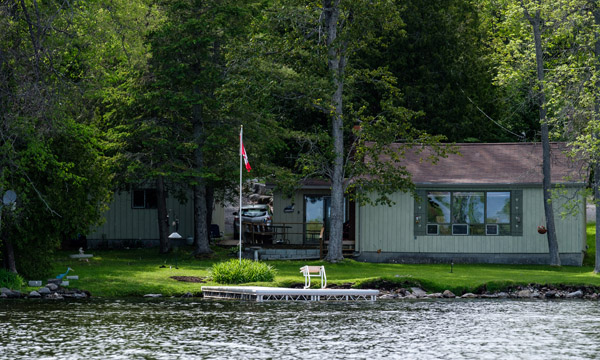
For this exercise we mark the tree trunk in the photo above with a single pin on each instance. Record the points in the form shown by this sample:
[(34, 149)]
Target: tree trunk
[(597, 200), (595, 160), (210, 199), (200, 226), (163, 216), (546, 166), (7, 246), (336, 65)]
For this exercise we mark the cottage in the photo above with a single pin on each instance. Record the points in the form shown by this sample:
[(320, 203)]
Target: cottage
[(131, 220), (482, 206)]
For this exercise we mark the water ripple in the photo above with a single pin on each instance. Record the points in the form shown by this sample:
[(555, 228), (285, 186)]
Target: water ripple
[(196, 329)]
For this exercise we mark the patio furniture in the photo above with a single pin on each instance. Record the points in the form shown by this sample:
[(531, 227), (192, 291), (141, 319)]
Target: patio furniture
[(314, 271)]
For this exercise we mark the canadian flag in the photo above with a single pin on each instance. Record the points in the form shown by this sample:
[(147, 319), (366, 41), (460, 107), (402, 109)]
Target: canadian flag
[(244, 155)]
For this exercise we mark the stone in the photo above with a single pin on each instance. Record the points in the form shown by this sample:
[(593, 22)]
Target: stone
[(469, 296), (575, 294), (489, 296), (524, 293), (410, 297), (502, 295), (418, 292), (35, 283), (187, 295), (54, 296), (448, 294), (4, 290), (153, 295), (52, 287), (34, 294), (44, 291), (550, 294), (16, 294), (54, 281), (435, 296), (3, 296)]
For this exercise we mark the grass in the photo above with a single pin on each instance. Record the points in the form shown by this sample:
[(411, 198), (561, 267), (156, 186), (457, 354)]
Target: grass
[(123, 273)]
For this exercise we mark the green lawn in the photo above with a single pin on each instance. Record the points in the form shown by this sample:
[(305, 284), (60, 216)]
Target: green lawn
[(121, 273)]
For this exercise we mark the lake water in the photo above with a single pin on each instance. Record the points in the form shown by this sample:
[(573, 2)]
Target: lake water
[(203, 329)]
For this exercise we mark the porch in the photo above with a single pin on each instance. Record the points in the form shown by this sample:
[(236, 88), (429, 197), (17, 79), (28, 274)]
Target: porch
[(288, 241)]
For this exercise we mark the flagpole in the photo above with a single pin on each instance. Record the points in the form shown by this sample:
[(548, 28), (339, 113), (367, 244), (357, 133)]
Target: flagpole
[(240, 212)]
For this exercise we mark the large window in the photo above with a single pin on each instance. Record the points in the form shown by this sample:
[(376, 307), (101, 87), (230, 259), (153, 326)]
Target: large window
[(468, 213)]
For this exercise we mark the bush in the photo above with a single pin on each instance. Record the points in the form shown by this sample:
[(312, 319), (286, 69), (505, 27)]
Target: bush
[(10, 280), (232, 272)]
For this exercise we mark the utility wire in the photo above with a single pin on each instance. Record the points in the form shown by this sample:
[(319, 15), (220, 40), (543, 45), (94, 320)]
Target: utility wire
[(520, 137)]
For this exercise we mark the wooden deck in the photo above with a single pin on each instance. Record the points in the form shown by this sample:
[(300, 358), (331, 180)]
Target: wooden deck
[(260, 294)]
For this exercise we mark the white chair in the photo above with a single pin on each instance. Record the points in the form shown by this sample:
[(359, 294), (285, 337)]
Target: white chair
[(314, 271)]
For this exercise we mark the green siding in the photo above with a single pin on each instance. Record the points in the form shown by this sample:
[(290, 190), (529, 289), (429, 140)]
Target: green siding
[(392, 229), (125, 223)]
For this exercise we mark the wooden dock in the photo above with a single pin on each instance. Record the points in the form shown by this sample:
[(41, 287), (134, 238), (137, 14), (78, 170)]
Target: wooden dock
[(260, 294)]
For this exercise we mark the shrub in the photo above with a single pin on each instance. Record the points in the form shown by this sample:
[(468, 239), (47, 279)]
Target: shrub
[(232, 272), (10, 280)]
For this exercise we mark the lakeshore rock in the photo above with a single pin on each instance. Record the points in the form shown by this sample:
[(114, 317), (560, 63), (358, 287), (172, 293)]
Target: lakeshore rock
[(502, 295), (435, 296), (52, 287), (418, 292), (153, 295), (44, 291), (54, 296), (575, 294), (448, 294), (489, 296), (34, 294), (550, 294), (526, 293), (469, 296)]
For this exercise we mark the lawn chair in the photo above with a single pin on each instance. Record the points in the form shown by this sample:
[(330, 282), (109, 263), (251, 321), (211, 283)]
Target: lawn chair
[(314, 271)]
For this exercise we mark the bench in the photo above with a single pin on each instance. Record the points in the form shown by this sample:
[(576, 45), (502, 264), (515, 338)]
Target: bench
[(314, 271)]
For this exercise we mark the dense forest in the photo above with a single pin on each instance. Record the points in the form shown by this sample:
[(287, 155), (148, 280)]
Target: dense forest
[(99, 96)]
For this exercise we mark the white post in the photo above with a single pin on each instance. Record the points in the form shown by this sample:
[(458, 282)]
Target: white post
[(240, 212)]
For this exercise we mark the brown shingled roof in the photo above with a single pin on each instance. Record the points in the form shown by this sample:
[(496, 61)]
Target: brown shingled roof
[(498, 163)]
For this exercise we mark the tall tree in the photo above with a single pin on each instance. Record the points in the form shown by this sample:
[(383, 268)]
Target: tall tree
[(311, 47), (187, 69), (533, 39), (49, 151)]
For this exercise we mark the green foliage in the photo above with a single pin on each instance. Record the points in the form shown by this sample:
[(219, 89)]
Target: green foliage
[(10, 280), (234, 272)]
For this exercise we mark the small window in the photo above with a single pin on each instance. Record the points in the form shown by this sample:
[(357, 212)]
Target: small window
[(138, 199), (144, 199), (491, 229), (433, 229), (460, 229)]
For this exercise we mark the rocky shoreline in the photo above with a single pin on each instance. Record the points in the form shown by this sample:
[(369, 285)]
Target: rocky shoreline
[(531, 291), (52, 291)]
